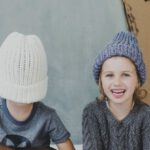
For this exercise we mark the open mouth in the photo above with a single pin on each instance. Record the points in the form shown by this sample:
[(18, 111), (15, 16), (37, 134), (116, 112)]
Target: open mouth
[(118, 92)]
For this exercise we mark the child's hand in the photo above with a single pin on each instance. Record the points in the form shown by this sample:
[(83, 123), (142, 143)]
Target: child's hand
[(67, 145)]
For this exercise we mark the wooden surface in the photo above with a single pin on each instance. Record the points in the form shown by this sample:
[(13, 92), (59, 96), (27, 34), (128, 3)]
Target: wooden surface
[(138, 17)]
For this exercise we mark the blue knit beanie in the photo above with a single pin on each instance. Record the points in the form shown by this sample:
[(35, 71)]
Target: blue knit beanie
[(123, 44)]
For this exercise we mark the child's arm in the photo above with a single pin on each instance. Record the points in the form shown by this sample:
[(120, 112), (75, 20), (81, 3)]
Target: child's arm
[(67, 145), (146, 132), (59, 134), (91, 130), (63, 146), (3, 147)]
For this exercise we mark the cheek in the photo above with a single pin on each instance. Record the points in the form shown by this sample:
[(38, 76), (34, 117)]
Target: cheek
[(105, 84), (132, 85)]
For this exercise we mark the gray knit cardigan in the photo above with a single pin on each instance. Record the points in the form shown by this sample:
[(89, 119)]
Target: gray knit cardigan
[(102, 131)]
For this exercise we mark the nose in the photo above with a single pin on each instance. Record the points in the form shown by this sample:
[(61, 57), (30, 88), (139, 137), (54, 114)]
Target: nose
[(117, 81)]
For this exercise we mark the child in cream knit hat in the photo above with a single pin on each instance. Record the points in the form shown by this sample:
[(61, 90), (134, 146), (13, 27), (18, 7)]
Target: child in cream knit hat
[(25, 122)]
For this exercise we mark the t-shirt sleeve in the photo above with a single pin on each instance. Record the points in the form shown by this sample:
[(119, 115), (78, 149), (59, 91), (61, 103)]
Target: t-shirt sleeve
[(57, 131)]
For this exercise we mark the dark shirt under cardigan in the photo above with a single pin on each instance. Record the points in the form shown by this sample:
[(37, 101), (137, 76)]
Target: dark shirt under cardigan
[(102, 131)]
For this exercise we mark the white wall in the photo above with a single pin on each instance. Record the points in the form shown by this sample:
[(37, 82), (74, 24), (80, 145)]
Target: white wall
[(73, 32)]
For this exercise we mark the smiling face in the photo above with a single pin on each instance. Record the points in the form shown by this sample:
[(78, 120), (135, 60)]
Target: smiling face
[(119, 79)]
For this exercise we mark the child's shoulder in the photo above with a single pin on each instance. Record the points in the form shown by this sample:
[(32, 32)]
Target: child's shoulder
[(145, 108), (143, 113), (45, 108), (46, 112), (0, 102), (95, 106)]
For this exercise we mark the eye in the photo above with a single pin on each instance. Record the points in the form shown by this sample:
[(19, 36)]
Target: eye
[(126, 74), (109, 75)]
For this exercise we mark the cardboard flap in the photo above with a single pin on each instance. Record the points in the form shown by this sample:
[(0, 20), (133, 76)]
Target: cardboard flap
[(138, 19)]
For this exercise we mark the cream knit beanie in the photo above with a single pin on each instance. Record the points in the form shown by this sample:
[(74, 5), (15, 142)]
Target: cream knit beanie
[(23, 68)]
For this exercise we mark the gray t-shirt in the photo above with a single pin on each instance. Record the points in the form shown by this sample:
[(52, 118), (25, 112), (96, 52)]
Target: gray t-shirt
[(42, 127)]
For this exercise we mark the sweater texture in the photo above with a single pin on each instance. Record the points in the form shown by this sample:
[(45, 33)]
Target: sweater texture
[(102, 131)]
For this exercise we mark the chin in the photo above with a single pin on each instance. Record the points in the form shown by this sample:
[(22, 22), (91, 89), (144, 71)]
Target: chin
[(118, 101)]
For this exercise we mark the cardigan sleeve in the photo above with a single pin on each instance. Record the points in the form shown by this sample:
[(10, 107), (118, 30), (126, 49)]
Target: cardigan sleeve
[(146, 131), (91, 130)]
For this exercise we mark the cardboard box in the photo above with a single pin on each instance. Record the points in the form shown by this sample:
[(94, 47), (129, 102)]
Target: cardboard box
[(138, 19)]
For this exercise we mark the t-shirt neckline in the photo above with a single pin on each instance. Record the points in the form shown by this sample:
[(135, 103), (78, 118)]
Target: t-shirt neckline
[(12, 119)]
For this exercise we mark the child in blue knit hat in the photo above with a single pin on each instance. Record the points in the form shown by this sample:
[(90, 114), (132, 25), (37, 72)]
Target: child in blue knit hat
[(26, 123), (118, 119)]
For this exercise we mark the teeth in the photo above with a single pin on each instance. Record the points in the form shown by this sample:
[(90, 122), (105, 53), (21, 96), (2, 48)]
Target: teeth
[(118, 91)]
